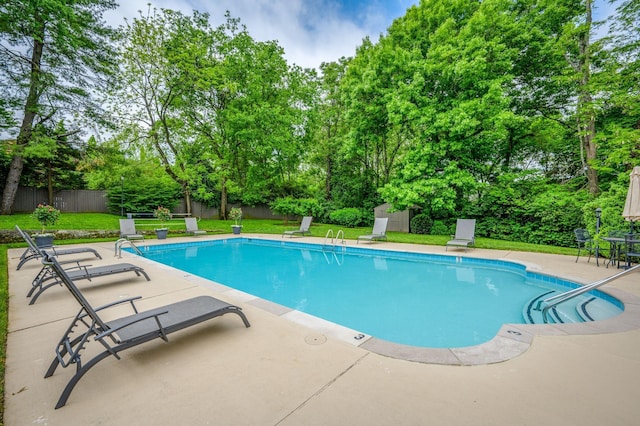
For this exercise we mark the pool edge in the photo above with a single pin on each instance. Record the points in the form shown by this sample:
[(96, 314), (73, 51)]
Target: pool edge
[(511, 341)]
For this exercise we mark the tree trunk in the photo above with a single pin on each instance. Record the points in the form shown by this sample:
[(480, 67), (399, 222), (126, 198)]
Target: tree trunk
[(586, 114), (223, 199), (30, 109), (187, 198), (50, 184), (11, 186)]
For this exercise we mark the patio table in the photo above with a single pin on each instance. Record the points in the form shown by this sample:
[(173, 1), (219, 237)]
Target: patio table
[(615, 251)]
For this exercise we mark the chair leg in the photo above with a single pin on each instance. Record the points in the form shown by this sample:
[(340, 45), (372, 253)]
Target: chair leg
[(578, 256)]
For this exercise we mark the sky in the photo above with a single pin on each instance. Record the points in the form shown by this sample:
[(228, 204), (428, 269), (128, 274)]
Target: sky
[(310, 31)]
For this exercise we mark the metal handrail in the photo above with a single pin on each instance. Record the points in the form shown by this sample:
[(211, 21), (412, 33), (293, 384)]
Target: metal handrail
[(563, 297), (119, 244), (334, 241), (329, 232)]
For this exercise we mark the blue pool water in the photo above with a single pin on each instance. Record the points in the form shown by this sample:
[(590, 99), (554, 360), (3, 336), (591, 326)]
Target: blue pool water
[(413, 299)]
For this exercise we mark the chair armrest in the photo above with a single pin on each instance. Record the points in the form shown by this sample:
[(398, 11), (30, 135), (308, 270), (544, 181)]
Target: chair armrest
[(119, 302), (137, 319)]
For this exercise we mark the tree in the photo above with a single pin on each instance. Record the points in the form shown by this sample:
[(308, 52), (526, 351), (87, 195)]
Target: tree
[(53, 56), (51, 160), (149, 87), (246, 107)]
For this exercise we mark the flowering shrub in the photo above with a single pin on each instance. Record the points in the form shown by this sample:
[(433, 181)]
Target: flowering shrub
[(46, 215), (162, 213), (235, 214)]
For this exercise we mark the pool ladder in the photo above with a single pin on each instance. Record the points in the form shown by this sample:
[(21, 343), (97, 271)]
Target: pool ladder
[(339, 237), (332, 246), (119, 244)]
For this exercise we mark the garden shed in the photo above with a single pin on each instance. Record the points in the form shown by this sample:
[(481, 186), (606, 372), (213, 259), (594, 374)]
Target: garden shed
[(398, 221)]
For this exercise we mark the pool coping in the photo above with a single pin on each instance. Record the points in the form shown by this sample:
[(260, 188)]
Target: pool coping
[(512, 340)]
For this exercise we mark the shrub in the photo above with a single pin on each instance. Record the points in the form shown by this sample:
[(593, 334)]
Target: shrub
[(440, 228), (143, 195), (289, 206), (46, 215), (162, 213), (421, 224), (349, 217), (235, 214)]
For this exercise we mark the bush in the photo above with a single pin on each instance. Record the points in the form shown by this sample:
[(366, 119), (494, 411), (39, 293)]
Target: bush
[(440, 228), (421, 224), (349, 217), (46, 215), (289, 206), (143, 196)]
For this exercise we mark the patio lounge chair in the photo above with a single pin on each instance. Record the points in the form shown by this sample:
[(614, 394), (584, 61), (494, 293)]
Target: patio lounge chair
[(465, 234), (304, 227), (123, 333), (128, 230), (379, 231), (33, 252), (47, 277), (192, 227)]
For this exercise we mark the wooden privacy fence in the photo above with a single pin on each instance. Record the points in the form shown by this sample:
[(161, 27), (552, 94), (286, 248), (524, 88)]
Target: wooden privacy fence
[(93, 201), (68, 201)]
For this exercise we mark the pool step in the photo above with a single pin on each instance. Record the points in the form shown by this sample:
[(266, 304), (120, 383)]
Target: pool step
[(584, 308)]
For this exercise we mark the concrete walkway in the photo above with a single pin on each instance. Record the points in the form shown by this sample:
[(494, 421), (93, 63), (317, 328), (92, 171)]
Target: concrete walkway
[(284, 371)]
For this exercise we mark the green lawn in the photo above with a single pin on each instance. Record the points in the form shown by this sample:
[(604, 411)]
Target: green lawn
[(100, 221)]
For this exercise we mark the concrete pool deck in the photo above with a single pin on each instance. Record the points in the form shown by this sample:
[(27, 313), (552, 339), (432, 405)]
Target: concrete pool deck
[(287, 371)]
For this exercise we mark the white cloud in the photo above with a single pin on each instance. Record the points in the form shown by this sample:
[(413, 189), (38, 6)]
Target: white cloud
[(310, 31)]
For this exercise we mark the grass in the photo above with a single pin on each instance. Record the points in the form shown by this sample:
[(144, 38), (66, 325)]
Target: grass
[(102, 222)]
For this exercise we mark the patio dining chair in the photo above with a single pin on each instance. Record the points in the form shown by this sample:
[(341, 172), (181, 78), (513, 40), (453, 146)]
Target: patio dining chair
[(584, 242)]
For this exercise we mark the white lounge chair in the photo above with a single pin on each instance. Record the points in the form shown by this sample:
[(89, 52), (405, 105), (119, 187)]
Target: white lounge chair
[(379, 231), (192, 227), (304, 227), (465, 234), (128, 230)]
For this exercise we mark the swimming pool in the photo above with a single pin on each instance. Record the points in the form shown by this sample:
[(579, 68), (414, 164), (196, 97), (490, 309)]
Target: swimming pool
[(423, 300)]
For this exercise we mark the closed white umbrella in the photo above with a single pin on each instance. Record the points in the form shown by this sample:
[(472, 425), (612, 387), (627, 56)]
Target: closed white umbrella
[(631, 210)]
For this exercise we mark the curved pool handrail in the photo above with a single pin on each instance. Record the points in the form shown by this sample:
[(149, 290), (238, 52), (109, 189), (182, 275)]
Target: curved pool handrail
[(567, 295)]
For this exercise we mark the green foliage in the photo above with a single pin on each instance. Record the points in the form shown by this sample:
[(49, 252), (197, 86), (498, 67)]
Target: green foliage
[(143, 195), (289, 206), (349, 217), (531, 210), (54, 58), (421, 224), (439, 227)]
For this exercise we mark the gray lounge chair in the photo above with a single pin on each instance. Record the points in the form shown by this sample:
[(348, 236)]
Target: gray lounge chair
[(465, 234), (379, 231), (123, 333), (47, 277), (128, 230), (192, 227), (34, 252), (304, 227)]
